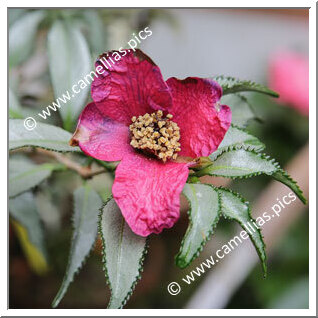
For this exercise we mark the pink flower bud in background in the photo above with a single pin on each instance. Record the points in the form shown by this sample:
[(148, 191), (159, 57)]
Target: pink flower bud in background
[(289, 76)]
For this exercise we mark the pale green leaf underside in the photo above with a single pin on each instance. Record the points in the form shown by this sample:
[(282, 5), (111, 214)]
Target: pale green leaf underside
[(242, 111), (25, 175), (232, 85), (23, 209), (85, 222), (234, 207), (21, 36), (235, 137), (69, 62), (42, 136), (240, 163), (204, 214), (123, 253)]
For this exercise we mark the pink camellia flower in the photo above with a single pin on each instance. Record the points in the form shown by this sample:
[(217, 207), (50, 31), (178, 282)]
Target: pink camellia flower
[(153, 127), (289, 75)]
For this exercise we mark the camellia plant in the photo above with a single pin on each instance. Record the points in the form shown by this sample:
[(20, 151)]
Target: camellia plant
[(158, 138)]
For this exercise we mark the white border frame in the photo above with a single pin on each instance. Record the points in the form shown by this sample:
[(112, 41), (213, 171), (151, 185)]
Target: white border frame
[(312, 154)]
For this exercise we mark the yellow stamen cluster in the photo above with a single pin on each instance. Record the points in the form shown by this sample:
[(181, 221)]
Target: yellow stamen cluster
[(156, 135)]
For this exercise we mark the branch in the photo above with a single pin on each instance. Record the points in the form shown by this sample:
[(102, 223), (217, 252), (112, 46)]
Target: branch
[(84, 171)]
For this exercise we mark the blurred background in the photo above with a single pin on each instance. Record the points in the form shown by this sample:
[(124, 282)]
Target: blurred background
[(266, 46)]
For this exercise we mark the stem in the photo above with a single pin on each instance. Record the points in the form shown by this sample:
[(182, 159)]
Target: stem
[(84, 171)]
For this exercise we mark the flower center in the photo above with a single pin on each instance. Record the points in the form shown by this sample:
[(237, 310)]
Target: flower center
[(156, 135)]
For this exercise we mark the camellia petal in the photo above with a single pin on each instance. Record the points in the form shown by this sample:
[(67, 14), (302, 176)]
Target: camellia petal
[(148, 192), (131, 85), (202, 120), (101, 137)]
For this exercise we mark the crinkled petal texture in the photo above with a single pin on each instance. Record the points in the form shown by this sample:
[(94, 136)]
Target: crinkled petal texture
[(202, 120), (132, 86), (148, 193), (101, 137)]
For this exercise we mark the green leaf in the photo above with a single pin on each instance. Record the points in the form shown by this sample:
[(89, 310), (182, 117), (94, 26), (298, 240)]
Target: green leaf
[(238, 137), (123, 254), (234, 163), (69, 62), (232, 85), (25, 175), (236, 208), (204, 214), (23, 209), (43, 136), (85, 222), (242, 163), (242, 110), (15, 110), (15, 14), (96, 31), (283, 177), (21, 36)]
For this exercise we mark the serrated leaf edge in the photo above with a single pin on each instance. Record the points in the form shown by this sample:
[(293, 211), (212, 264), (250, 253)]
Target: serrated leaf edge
[(141, 260), (209, 234), (240, 144), (247, 204), (69, 260), (241, 147), (76, 149), (251, 86)]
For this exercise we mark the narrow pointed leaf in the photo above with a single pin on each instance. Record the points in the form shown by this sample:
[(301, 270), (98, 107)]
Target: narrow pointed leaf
[(123, 254), (35, 258), (242, 163), (236, 208), (25, 175), (24, 211), (21, 36), (238, 137), (42, 136), (281, 176), (69, 62), (242, 110), (85, 222), (232, 85), (204, 214)]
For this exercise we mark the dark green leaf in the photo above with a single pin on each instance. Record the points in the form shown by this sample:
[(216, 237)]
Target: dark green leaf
[(85, 222), (242, 163), (281, 176), (69, 62), (43, 136), (232, 85), (21, 36), (23, 209), (204, 214), (236, 208), (25, 175), (238, 137), (123, 254)]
